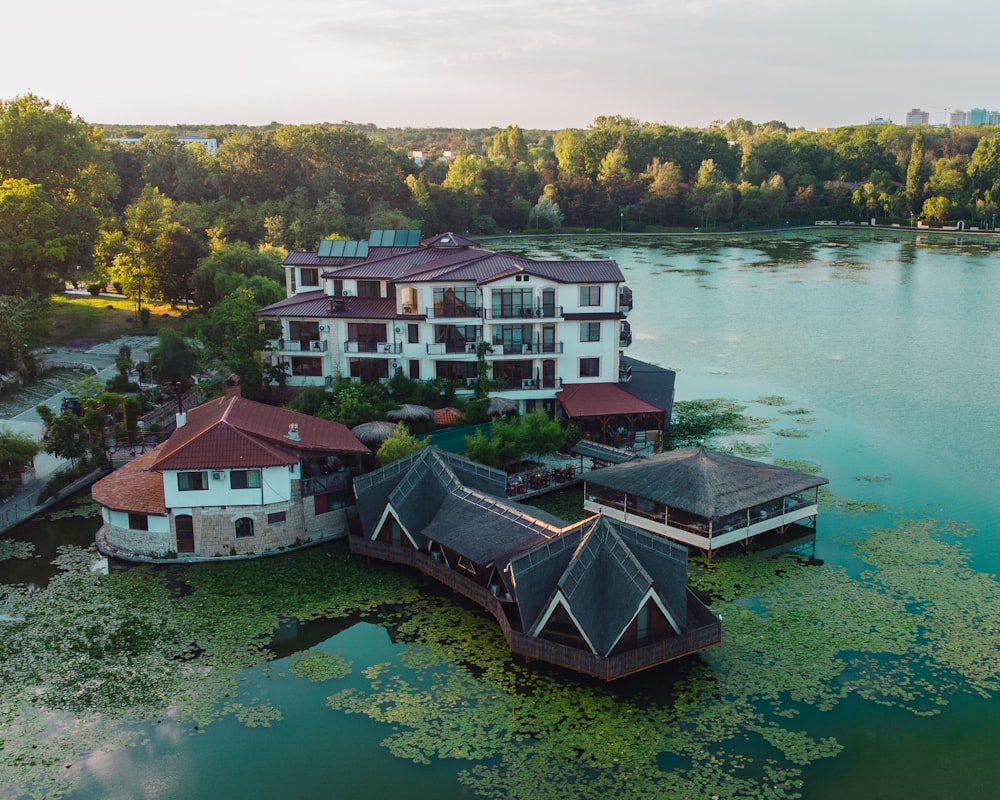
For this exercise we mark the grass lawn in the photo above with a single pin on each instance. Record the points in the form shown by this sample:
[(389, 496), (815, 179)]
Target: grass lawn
[(78, 320)]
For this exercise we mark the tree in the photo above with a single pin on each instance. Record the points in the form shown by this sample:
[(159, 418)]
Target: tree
[(31, 246), (400, 445), (508, 145), (917, 173), (45, 145), (23, 326), (157, 255), (710, 198), (17, 450), (663, 193), (232, 265), (173, 359), (234, 339), (68, 438), (545, 214)]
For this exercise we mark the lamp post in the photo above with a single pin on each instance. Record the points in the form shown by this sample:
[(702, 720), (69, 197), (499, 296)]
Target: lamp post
[(621, 228)]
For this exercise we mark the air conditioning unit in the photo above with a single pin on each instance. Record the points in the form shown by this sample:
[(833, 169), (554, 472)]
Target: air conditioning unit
[(470, 347), (527, 383), (324, 327), (399, 329), (216, 476), (346, 293)]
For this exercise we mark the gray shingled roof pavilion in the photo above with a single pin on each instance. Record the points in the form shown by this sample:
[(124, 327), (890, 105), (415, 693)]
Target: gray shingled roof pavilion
[(704, 482)]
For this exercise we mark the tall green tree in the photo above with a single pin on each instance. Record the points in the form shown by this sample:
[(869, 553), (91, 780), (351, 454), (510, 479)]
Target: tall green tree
[(45, 145), (174, 359), (508, 145), (917, 173), (711, 199), (31, 243)]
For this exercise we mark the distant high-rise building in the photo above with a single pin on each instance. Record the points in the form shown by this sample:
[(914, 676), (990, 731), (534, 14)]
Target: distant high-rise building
[(957, 117), (879, 121), (979, 116), (917, 117)]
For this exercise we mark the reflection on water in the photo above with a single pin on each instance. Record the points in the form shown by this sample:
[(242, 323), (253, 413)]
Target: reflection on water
[(872, 356)]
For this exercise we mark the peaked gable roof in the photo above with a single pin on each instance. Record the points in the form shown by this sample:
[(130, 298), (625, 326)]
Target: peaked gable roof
[(704, 482), (233, 432), (604, 570)]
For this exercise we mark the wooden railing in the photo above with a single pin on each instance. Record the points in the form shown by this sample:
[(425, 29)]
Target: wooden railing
[(705, 629)]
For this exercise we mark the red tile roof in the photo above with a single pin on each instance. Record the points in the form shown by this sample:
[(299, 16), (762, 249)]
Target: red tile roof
[(132, 487), (233, 432), (601, 400)]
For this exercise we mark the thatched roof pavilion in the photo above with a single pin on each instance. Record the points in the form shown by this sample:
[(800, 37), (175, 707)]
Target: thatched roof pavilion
[(703, 498)]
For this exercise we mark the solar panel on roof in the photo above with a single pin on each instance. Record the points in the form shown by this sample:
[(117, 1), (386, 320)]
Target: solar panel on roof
[(375, 238), (350, 249), (413, 239), (338, 248), (324, 248), (388, 237), (362, 249), (400, 239)]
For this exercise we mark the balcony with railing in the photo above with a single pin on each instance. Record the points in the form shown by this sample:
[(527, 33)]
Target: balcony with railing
[(513, 384), (625, 299), (373, 348), (298, 345), (534, 347), (452, 348), (525, 312), (454, 311), (625, 335)]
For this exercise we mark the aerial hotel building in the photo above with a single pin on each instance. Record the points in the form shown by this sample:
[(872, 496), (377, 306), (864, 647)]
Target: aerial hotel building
[(364, 309)]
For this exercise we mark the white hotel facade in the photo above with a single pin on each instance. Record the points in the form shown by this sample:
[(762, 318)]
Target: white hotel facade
[(366, 309)]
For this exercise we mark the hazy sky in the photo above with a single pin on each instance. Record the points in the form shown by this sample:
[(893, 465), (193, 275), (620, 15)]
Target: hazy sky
[(543, 64)]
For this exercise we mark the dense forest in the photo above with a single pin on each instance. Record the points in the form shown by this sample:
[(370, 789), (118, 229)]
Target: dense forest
[(171, 223)]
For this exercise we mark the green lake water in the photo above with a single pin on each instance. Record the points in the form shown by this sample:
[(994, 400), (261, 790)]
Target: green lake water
[(871, 671)]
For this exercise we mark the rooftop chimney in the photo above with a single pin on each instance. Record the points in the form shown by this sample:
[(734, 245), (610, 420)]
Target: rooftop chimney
[(293, 431)]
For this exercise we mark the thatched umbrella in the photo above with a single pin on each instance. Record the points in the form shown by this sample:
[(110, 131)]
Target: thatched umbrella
[(502, 405), (410, 413), (447, 415), (374, 433)]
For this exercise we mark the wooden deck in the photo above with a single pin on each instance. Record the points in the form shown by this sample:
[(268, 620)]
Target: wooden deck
[(704, 628)]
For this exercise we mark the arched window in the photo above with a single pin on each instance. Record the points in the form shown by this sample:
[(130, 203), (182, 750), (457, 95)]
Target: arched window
[(244, 527)]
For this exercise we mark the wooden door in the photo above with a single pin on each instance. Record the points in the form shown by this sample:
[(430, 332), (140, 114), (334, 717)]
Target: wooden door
[(184, 525)]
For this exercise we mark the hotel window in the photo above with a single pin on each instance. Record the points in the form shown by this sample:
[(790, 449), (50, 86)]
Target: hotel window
[(590, 295), (590, 367), (309, 277), (192, 481), (244, 479), (590, 331), (138, 522), (369, 289), (244, 528)]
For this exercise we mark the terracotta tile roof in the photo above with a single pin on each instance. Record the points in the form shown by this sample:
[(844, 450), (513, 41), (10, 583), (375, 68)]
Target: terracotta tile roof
[(601, 400), (132, 487), (233, 432)]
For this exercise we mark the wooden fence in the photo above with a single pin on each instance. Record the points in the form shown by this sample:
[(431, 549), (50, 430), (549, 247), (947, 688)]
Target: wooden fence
[(705, 629)]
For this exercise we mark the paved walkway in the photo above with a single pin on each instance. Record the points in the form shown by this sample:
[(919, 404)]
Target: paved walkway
[(23, 504)]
